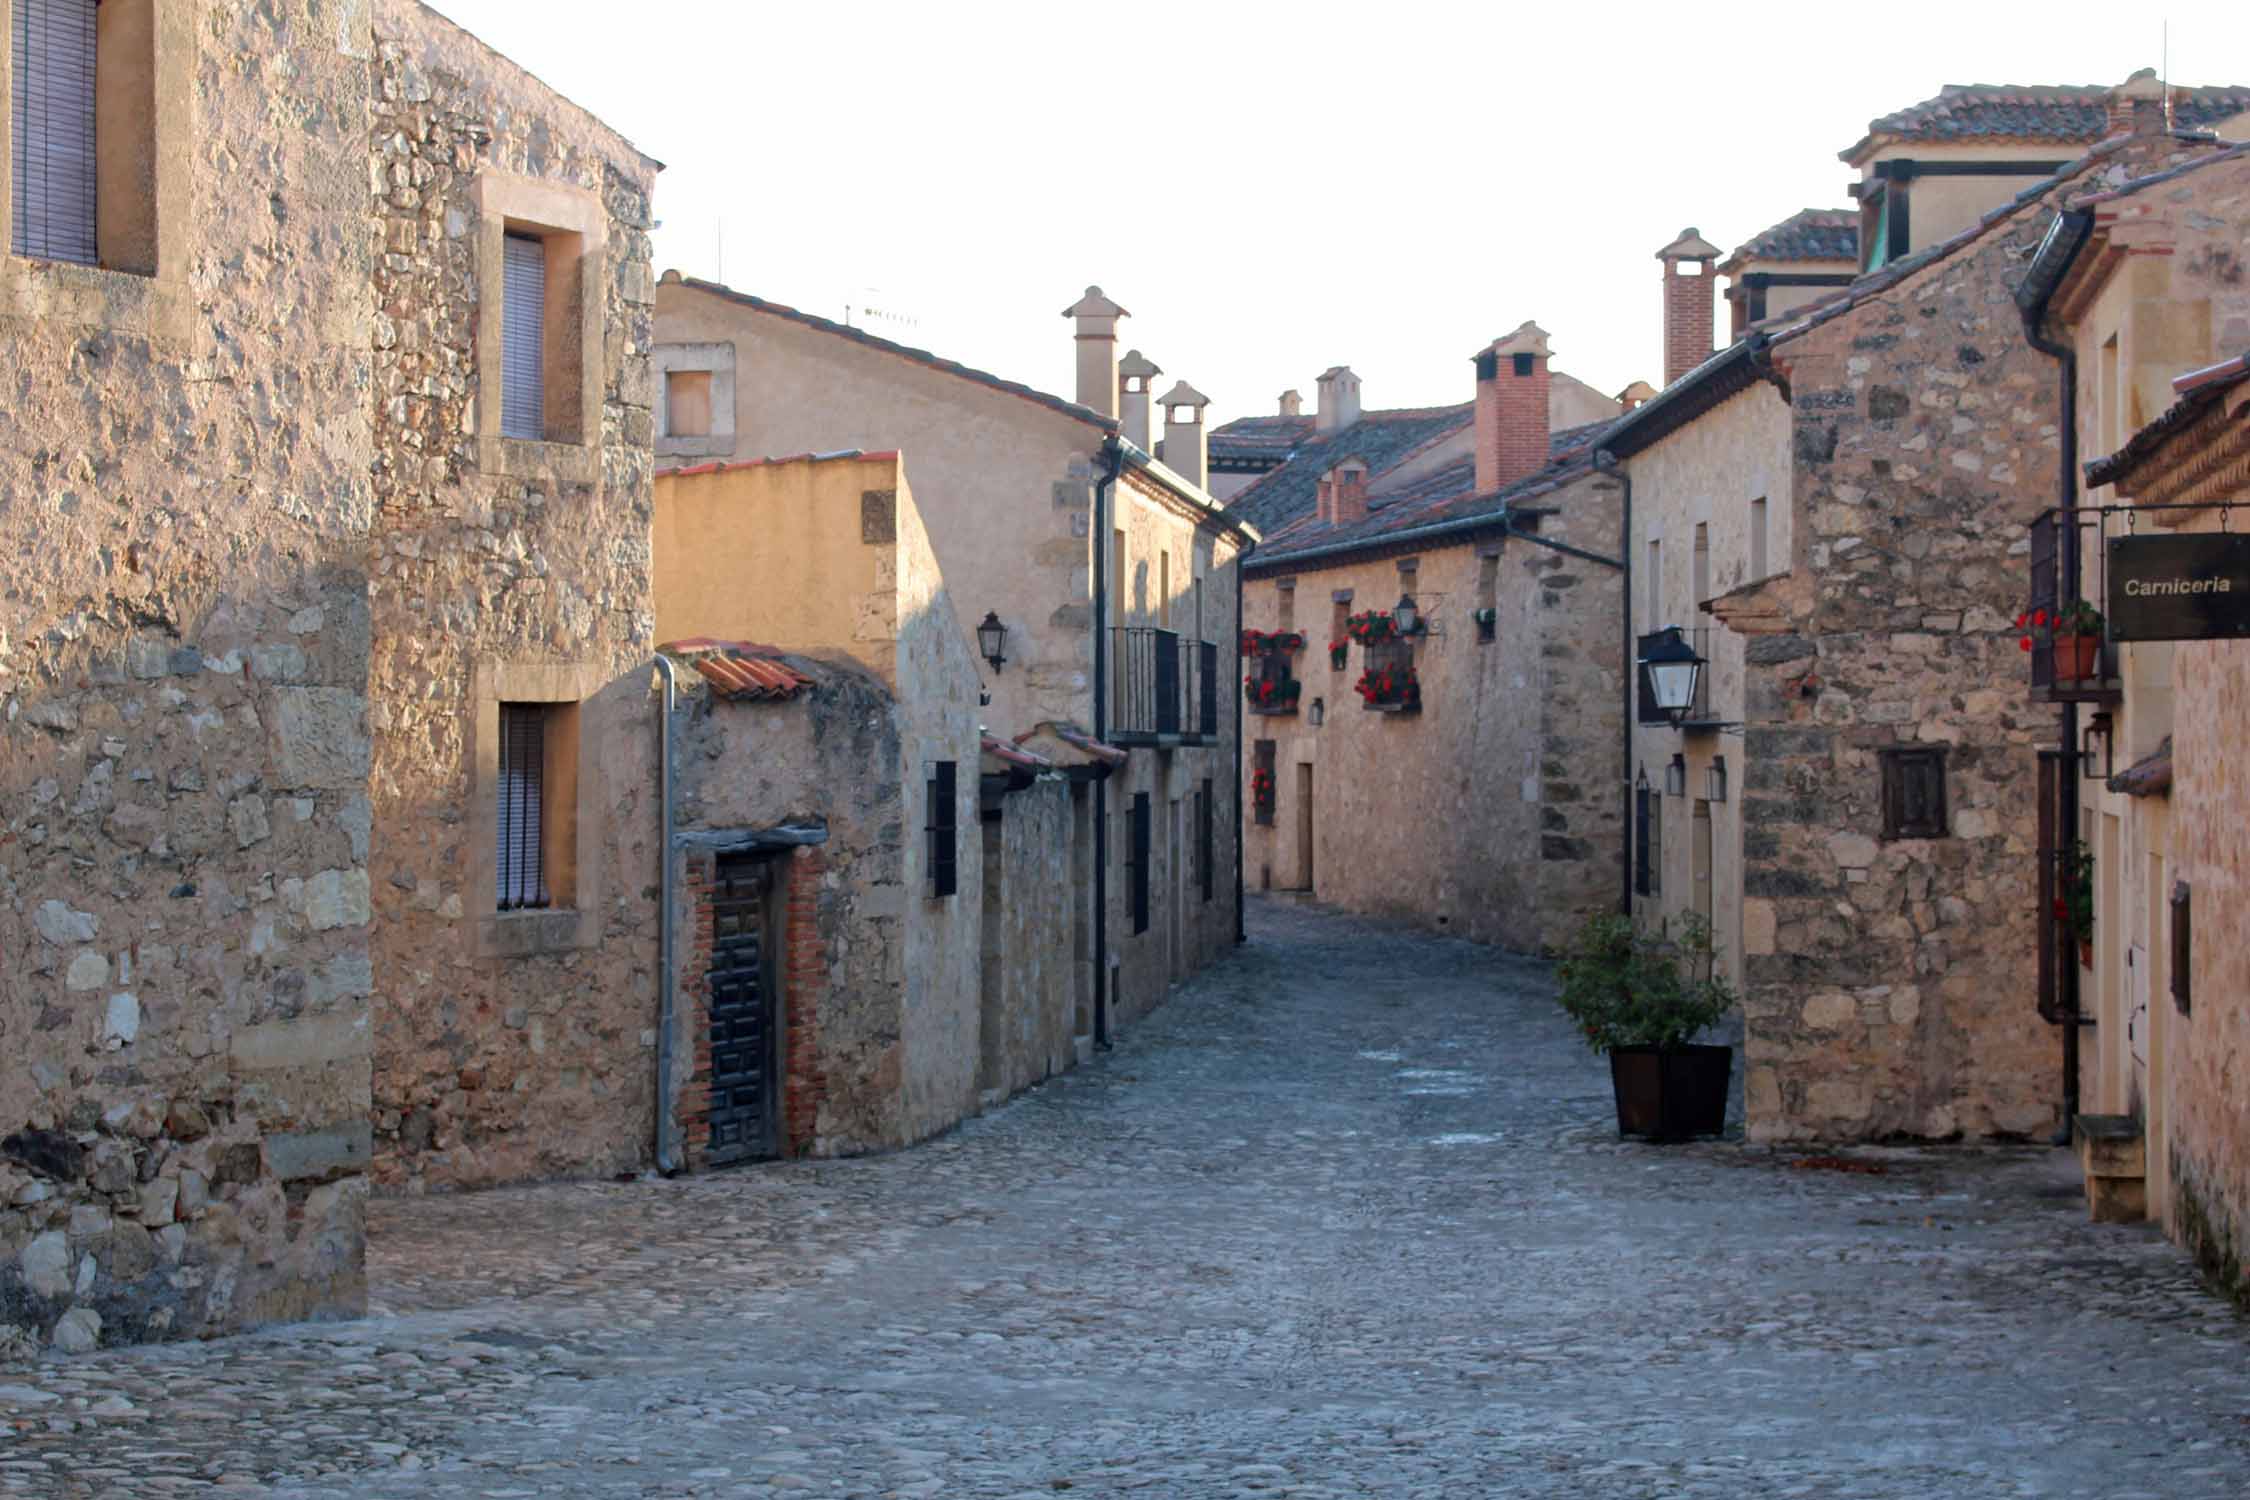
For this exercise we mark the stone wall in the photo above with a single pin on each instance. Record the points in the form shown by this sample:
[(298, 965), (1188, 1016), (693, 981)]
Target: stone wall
[(1493, 813), (1888, 986), (517, 1045), (1030, 940), (184, 969)]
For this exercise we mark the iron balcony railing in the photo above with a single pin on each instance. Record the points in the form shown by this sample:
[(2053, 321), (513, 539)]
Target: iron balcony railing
[(1163, 684), (2067, 562)]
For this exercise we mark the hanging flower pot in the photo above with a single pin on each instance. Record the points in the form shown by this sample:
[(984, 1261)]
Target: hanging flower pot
[(2078, 657)]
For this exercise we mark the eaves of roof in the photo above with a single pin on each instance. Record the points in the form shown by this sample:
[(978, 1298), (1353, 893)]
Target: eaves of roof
[(2200, 392), (2067, 114), (1459, 520), (725, 466), (1727, 373), (1209, 513), (742, 671), (868, 340)]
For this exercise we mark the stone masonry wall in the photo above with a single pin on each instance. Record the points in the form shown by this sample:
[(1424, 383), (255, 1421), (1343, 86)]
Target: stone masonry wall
[(1030, 910), (184, 969), (518, 1046), (1888, 986)]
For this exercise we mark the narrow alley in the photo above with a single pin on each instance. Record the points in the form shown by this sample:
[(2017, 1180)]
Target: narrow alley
[(1349, 1216)]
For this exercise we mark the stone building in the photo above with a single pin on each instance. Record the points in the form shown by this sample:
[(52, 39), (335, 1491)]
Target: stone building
[(2136, 285), (1108, 577), (1462, 774), (1830, 510), (289, 566), (828, 978)]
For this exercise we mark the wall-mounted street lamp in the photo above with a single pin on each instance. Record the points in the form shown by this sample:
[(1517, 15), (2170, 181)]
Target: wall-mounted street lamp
[(1675, 777), (1669, 669), (1317, 713), (1715, 780), (1406, 617), (2098, 727), (992, 636)]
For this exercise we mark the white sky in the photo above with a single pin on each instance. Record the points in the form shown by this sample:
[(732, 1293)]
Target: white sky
[(1275, 188)]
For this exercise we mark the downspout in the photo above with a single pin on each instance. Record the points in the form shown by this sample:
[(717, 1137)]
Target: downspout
[(1606, 462), (666, 1161), (1241, 931), (2068, 234), (1113, 452)]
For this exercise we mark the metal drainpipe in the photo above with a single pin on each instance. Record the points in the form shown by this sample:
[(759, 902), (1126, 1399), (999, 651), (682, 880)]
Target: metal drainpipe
[(1606, 462), (666, 1162), (1112, 451), (1241, 932), (2066, 497)]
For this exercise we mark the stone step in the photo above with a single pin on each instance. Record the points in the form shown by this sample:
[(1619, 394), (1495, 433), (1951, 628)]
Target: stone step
[(2114, 1156)]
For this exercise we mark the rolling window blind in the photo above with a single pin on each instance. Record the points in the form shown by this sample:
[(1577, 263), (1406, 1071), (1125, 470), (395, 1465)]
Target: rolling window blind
[(523, 338), (523, 765), (53, 126)]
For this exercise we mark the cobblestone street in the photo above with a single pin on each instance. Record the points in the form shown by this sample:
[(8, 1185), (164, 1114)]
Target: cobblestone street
[(1347, 1217)]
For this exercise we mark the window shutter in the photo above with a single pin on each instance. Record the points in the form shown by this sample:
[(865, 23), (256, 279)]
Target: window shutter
[(523, 338), (1140, 861), (53, 155), (942, 828), (1913, 793), (1640, 841), (523, 765)]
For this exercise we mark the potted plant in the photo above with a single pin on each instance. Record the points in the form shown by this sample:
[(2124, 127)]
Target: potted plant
[(2074, 897), (1261, 795), (1641, 997), (1340, 652), (1390, 689), (2075, 633), (1371, 628)]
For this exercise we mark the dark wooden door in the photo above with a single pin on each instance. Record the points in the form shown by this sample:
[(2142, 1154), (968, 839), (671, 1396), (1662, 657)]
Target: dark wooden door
[(745, 1013)]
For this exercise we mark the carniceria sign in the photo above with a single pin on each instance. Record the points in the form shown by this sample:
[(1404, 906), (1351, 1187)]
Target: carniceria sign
[(2179, 588)]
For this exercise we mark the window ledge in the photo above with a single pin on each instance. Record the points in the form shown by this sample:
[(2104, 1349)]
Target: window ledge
[(695, 447), (525, 934), (123, 302), (524, 458)]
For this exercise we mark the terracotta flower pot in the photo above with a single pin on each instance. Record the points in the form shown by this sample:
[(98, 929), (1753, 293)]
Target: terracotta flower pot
[(2078, 658)]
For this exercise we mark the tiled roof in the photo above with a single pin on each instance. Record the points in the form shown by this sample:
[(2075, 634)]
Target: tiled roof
[(2199, 392), (1259, 437), (1380, 438), (2150, 776), (741, 671), (904, 351), (1093, 750), (720, 467), (2067, 114), (1808, 234), (1010, 753), (1447, 494)]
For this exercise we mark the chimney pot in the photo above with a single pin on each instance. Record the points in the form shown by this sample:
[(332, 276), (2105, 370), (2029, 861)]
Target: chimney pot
[(1292, 404), (1339, 400), (1688, 304), (1512, 410), (1135, 373), (2136, 106), (1187, 450), (1343, 493), (1097, 317)]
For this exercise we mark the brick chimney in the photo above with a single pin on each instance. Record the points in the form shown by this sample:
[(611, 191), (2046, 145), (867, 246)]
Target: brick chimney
[(1339, 400), (1097, 349), (1511, 408), (1687, 302), (1343, 493), (1186, 448), (2136, 106), (1136, 370), (1292, 404)]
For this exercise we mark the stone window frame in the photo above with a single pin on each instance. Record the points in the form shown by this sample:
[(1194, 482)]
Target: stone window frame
[(575, 226), (559, 928), (716, 359), (154, 303)]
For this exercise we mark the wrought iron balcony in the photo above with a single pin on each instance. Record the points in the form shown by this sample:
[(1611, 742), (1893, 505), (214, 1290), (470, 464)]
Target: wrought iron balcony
[(1164, 688)]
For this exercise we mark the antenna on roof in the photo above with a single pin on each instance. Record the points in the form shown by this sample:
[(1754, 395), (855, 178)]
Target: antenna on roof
[(2165, 74)]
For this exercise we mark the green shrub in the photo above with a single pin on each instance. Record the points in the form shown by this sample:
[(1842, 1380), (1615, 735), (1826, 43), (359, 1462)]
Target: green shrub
[(1626, 987)]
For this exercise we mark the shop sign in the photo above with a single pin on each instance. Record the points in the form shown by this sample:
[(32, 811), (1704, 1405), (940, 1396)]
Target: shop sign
[(2179, 588)]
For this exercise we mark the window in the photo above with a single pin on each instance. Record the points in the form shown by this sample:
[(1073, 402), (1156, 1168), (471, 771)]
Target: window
[(1140, 861), (523, 322), (1164, 589), (1120, 576), (941, 829), (1655, 584), (54, 183), (2181, 951), (1339, 623), (1758, 538), (1699, 565), (2109, 400), (687, 403), (1206, 840), (1488, 597), (1913, 793), (535, 806), (1261, 783), (1288, 613)]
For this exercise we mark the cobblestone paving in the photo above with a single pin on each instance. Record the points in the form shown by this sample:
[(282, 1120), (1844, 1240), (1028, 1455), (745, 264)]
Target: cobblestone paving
[(1345, 1218)]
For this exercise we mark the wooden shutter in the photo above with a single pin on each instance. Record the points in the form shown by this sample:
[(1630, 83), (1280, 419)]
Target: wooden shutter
[(523, 775), (523, 338), (942, 830), (1140, 861), (2182, 947), (53, 107), (1913, 794), (1641, 851)]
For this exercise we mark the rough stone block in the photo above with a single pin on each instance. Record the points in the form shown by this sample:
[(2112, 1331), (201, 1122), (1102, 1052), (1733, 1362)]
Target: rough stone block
[(321, 1155), (322, 738)]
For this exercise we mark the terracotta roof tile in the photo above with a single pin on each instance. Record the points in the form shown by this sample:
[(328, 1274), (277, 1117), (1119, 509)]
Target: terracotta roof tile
[(741, 671), (1014, 754), (2067, 114), (1379, 438), (1808, 234), (722, 466), (2150, 776)]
